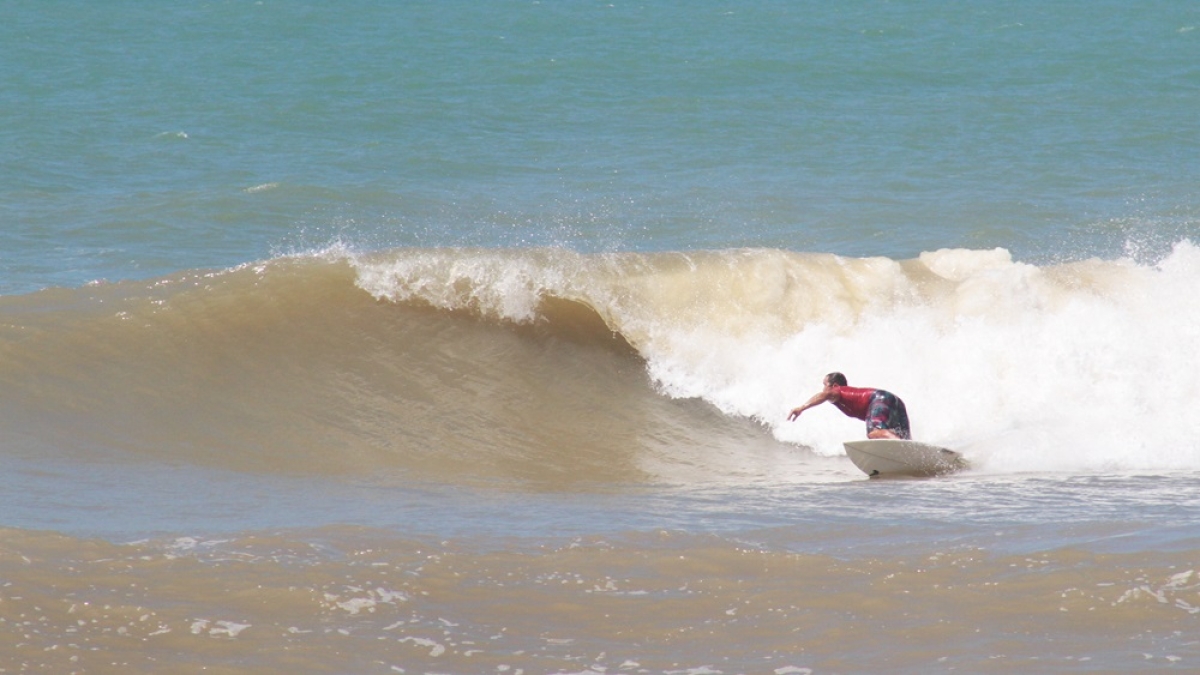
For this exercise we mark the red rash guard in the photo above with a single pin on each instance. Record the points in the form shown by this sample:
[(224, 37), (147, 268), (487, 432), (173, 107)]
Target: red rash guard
[(854, 401)]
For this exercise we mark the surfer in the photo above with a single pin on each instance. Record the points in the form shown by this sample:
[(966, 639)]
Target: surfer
[(882, 410)]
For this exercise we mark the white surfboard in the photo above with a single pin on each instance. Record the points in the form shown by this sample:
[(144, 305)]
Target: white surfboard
[(883, 457)]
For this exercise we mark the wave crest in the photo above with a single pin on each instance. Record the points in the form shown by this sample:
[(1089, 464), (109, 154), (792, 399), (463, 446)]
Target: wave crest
[(552, 367)]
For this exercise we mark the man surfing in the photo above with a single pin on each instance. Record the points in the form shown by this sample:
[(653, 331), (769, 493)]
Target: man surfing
[(883, 411)]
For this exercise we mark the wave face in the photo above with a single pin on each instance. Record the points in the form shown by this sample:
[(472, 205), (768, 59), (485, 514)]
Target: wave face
[(554, 369)]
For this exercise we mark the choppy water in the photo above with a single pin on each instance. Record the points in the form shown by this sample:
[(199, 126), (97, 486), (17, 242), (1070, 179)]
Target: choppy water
[(460, 337)]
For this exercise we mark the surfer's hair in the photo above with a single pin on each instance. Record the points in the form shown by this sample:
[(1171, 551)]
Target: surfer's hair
[(836, 379)]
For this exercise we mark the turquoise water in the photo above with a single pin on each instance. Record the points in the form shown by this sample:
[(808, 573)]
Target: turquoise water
[(511, 299), (145, 139)]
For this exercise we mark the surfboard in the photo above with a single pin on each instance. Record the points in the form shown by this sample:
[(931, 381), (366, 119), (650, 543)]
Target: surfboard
[(883, 457)]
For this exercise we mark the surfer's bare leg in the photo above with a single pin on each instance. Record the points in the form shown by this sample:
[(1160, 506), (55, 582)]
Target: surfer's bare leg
[(883, 433)]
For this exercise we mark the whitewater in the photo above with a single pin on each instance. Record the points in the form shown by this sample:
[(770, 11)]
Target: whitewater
[(997, 354)]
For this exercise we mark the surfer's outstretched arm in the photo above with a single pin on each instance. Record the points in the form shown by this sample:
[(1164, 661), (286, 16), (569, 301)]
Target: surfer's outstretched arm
[(817, 399)]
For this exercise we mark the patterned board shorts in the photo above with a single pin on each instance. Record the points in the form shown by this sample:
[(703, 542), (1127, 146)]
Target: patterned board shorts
[(886, 411)]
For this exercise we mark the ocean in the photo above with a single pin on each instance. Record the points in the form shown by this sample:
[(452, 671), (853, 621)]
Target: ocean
[(460, 337)]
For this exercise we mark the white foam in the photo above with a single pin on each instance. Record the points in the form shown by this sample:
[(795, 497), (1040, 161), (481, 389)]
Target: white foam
[(501, 284), (435, 648), (1063, 369), (230, 629), (1081, 367)]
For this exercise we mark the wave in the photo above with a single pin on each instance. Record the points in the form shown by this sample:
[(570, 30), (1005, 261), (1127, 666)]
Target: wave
[(553, 368)]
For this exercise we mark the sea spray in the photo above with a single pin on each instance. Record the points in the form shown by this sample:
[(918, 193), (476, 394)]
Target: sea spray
[(1010, 361)]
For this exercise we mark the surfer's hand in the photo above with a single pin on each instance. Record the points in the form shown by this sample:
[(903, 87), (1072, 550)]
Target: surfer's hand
[(795, 413)]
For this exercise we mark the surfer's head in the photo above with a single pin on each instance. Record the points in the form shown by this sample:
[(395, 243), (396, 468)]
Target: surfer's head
[(835, 380)]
